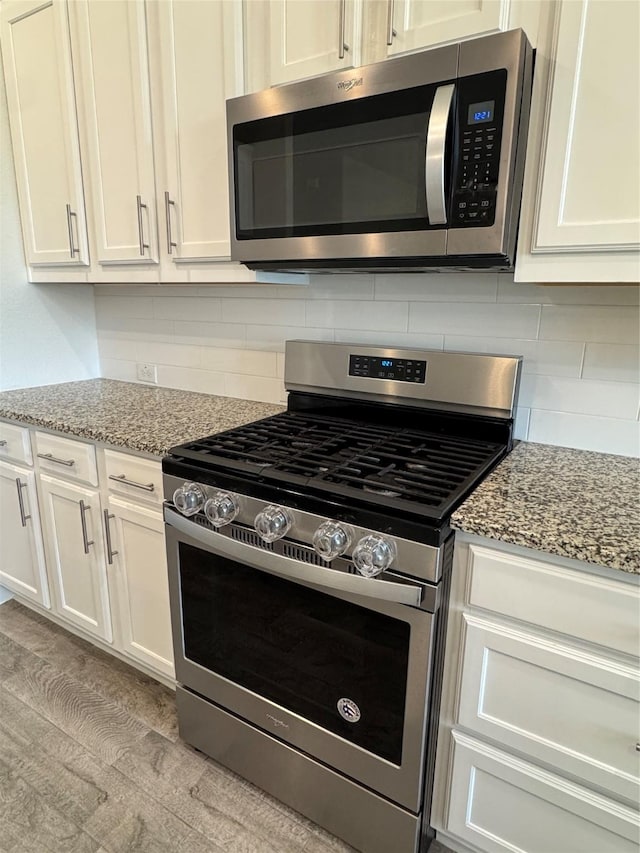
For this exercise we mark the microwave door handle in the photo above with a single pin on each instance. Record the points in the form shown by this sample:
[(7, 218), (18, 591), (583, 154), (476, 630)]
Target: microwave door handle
[(268, 561), (434, 157)]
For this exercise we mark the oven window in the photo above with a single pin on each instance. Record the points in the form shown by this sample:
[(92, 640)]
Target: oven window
[(303, 649), (344, 168)]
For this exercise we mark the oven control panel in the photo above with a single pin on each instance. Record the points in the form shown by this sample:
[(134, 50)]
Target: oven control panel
[(478, 135), (397, 369)]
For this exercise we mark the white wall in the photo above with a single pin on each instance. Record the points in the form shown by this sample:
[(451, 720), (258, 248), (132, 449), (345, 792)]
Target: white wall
[(47, 332), (580, 344)]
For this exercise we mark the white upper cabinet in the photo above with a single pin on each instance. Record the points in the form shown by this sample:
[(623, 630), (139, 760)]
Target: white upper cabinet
[(196, 63), (44, 131), (415, 24), (581, 204), (110, 61)]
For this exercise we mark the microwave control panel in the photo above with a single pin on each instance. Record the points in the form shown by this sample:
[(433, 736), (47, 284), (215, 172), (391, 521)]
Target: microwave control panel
[(478, 135)]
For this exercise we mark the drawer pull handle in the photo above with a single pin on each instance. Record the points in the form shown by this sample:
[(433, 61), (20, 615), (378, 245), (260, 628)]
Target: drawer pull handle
[(122, 478), (638, 747), (51, 458), (83, 521), (23, 516), (110, 552), (3, 443)]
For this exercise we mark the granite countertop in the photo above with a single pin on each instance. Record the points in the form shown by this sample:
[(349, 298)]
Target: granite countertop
[(124, 414), (573, 503)]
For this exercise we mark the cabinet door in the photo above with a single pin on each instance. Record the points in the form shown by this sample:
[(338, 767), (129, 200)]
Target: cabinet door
[(414, 24), (195, 50), (304, 38), (110, 61), (73, 537), (136, 547), (581, 201), (22, 566), (44, 131)]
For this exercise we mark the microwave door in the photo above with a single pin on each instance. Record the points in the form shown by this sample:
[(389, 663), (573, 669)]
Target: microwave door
[(361, 179)]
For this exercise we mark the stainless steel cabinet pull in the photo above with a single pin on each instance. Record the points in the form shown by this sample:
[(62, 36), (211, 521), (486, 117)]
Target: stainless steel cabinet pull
[(167, 213), (107, 530), (141, 206), (638, 747), (23, 516), (83, 520), (72, 248), (391, 33), (435, 151), (342, 45), (3, 443), (122, 478), (51, 458)]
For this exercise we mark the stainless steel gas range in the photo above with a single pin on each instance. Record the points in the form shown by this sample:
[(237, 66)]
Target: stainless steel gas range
[(309, 563)]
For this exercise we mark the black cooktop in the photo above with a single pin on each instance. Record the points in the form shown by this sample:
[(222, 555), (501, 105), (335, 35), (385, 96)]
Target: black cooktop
[(369, 464)]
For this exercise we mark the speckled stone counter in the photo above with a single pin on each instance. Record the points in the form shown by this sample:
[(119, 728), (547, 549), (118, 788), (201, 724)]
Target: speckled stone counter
[(124, 414), (573, 503)]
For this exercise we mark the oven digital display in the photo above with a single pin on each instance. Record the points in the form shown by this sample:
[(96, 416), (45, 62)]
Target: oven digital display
[(483, 111), (397, 369)]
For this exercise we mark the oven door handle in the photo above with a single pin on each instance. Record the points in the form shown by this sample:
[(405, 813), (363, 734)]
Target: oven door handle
[(435, 154), (268, 561)]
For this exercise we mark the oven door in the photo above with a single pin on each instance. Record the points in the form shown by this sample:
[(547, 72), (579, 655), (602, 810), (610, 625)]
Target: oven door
[(342, 675)]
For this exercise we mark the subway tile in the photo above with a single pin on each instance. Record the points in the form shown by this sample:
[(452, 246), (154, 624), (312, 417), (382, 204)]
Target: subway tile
[(211, 334), (390, 339), (112, 307), (618, 362), (177, 355), (272, 312), (110, 346), (476, 319), (274, 337), (240, 291), (113, 368), (521, 423), (251, 362), (197, 308), (590, 323), (555, 358), (375, 316), (280, 365), (605, 435), (585, 396), (438, 287), (136, 327), (568, 294), (340, 287), (262, 388), (190, 379)]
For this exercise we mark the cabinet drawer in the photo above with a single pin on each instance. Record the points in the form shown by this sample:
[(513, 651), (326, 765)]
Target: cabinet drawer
[(578, 604), (134, 477), (499, 803), (574, 711), (72, 460), (15, 444)]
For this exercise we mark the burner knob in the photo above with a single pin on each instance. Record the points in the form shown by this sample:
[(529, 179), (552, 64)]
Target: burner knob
[(331, 540), (273, 523), (221, 509), (373, 554), (189, 499)]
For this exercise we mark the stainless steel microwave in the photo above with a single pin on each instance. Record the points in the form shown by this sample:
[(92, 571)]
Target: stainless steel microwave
[(409, 164)]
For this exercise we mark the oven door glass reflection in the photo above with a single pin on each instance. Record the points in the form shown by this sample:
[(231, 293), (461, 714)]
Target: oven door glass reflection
[(302, 649)]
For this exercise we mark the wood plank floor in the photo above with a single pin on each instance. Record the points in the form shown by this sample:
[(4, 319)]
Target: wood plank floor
[(90, 761)]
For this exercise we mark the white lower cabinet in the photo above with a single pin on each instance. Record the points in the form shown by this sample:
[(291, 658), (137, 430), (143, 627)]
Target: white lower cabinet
[(75, 546), (137, 556), (501, 803), (539, 739), (22, 565)]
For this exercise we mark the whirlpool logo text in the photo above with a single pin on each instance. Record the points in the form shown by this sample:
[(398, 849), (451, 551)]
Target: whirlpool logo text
[(348, 85)]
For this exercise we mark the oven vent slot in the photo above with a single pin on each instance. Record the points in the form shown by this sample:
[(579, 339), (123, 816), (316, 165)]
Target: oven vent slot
[(249, 537), (303, 555)]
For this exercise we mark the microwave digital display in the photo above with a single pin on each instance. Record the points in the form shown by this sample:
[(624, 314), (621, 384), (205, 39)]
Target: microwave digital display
[(483, 111), (398, 369)]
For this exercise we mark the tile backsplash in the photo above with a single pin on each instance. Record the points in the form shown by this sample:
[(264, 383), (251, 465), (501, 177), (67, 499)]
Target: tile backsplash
[(580, 385)]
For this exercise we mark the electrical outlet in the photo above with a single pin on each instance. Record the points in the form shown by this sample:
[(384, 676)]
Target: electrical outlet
[(147, 373)]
